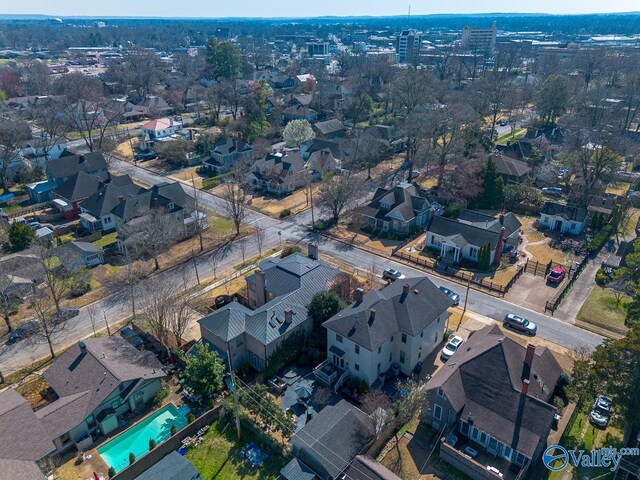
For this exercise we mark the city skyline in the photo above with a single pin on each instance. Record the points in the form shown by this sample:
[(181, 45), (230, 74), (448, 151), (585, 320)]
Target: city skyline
[(290, 8)]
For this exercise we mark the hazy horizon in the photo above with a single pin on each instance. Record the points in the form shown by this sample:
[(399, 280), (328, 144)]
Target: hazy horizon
[(297, 9)]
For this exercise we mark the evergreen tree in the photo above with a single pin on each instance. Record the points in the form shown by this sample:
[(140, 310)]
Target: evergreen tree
[(492, 195)]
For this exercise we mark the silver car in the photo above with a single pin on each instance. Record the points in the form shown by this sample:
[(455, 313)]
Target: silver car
[(521, 324)]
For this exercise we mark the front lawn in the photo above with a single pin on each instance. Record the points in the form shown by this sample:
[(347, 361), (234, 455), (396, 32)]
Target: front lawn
[(217, 456), (600, 309), (106, 240)]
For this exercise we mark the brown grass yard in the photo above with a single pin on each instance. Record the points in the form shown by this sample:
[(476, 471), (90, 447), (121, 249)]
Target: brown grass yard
[(618, 188), (532, 233), (543, 253), (187, 174)]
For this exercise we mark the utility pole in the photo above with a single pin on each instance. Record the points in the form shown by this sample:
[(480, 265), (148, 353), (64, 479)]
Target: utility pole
[(104, 314), (466, 297), (313, 219), (195, 266), (234, 389)]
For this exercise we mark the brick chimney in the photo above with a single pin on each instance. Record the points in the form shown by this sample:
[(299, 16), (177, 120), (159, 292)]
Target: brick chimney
[(312, 251), (288, 316), (372, 316), (501, 217), (156, 202), (120, 199), (528, 361), (260, 294), (499, 246), (358, 295), (405, 288), (525, 386)]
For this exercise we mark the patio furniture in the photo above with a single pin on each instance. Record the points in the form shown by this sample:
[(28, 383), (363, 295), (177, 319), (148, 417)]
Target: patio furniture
[(473, 453), (303, 392), (494, 470)]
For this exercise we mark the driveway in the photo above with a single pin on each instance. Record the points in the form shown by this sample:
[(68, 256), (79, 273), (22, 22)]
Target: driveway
[(531, 291)]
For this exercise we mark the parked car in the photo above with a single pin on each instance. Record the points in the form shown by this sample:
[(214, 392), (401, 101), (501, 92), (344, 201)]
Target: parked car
[(150, 155), (132, 337), (520, 324), (556, 275), (35, 225), (65, 313), (23, 331), (552, 191), (503, 123), (450, 348), (391, 274), (601, 411), (451, 294)]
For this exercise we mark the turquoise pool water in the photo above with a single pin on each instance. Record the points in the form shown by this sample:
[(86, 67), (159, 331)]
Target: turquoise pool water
[(135, 440)]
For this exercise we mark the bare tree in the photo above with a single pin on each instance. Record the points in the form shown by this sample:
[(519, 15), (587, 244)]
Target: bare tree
[(259, 237), (92, 313), (127, 279), (235, 201), (242, 247), (59, 276), (49, 326), (151, 233), (167, 311), (13, 132), (8, 299), (337, 193), (200, 221), (50, 127)]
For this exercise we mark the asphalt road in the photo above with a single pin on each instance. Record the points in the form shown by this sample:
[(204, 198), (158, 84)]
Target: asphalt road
[(116, 307)]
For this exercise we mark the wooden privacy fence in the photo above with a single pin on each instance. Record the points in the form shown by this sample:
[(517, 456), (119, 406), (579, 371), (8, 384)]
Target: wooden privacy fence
[(482, 283), (572, 275)]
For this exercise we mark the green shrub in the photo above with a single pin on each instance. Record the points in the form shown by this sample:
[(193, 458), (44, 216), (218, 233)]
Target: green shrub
[(152, 444), (112, 472), (174, 430), (209, 183), (132, 458), (601, 278), (159, 396), (191, 418), (288, 250), (285, 213)]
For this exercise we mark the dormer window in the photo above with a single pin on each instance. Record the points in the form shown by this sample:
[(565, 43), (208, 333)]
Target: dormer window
[(171, 205)]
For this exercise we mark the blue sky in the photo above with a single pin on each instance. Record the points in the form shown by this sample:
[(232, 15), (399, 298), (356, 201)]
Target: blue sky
[(304, 8)]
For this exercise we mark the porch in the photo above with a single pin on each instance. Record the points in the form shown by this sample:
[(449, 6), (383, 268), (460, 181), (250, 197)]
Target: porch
[(330, 374), (90, 223)]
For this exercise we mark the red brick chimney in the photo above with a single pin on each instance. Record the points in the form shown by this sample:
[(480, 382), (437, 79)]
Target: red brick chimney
[(405, 288), (358, 295), (496, 259), (372, 316), (525, 386)]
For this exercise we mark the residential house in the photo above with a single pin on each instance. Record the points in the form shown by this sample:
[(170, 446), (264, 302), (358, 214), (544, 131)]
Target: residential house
[(389, 137), (172, 467), (328, 444), (96, 211), (154, 106), (564, 218), (45, 149), (277, 294), (552, 134), (397, 326), (71, 193), (61, 169), (510, 169), (23, 439), (178, 209), (493, 397), (279, 80), (322, 162), (225, 153), (339, 147), (330, 129), (299, 112), (399, 210), (279, 173), (125, 110), (44, 234), (96, 382), (19, 272), (82, 254), (462, 238), (160, 128)]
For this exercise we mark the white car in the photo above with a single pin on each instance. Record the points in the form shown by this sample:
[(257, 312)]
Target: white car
[(452, 345)]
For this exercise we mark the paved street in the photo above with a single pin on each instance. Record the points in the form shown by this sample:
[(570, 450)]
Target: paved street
[(293, 230)]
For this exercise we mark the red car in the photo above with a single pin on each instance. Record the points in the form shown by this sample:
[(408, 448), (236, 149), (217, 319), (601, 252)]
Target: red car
[(556, 275)]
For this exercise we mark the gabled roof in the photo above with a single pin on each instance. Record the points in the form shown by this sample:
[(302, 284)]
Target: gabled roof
[(79, 186), (405, 201), (330, 126), (568, 212), (510, 166), (172, 467), (108, 195), (83, 379), (332, 438), (22, 435), (227, 322), (475, 228), (163, 194), (23, 469), (366, 468), (495, 402), (395, 311), (69, 165), (229, 145)]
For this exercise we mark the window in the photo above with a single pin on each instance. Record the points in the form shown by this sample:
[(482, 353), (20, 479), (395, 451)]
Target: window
[(401, 357), (404, 338), (440, 392), (435, 340), (239, 341), (357, 367), (391, 339), (507, 452), (115, 403), (422, 333), (357, 349), (473, 252), (338, 338), (464, 428), (91, 421), (483, 438), (519, 459), (437, 411), (419, 354)]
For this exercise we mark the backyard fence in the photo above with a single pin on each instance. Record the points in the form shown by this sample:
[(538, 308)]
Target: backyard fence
[(482, 283), (538, 268), (30, 209)]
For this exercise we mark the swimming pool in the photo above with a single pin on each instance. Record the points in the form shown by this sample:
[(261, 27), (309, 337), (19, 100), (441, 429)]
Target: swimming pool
[(135, 440)]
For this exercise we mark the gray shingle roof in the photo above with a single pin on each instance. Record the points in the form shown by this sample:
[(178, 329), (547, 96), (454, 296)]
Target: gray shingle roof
[(510, 166), (227, 322), (106, 363), (108, 196), (228, 145), (474, 229), (297, 470), (330, 126), (568, 212), (81, 185), (332, 438), (19, 469), (494, 401), (395, 311), (405, 199), (172, 467), (366, 468), (70, 165), (22, 435)]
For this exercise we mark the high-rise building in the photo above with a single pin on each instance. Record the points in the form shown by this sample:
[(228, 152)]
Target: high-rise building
[(408, 45), (318, 49), (480, 40)]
